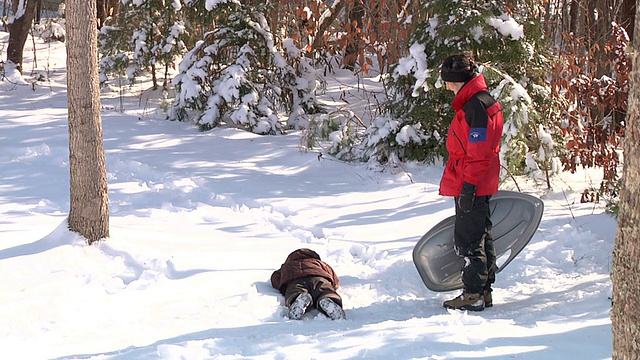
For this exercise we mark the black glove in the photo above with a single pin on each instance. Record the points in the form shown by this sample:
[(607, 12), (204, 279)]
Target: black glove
[(467, 196)]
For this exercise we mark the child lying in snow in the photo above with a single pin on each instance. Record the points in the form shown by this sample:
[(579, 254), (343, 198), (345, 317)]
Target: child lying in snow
[(304, 280)]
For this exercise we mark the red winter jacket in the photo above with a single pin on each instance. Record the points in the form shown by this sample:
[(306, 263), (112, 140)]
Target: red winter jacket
[(473, 141), (302, 263)]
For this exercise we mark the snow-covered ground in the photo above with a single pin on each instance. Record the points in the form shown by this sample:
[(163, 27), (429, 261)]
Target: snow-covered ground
[(200, 220)]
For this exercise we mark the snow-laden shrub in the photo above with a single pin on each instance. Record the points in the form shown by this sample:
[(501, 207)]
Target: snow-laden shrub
[(418, 111), (52, 29), (147, 37), (239, 75), (336, 133)]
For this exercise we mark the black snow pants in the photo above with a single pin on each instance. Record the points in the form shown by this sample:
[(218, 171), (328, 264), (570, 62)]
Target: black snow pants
[(473, 241)]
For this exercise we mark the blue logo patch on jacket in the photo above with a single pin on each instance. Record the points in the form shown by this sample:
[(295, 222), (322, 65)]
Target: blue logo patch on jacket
[(477, 135)]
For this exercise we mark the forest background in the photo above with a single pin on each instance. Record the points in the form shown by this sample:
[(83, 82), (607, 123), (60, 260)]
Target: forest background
[(560, 68)]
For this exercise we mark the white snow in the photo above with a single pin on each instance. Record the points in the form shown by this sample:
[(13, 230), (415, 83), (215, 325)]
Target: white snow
[(210, 4), (507, 26), (200, 220)]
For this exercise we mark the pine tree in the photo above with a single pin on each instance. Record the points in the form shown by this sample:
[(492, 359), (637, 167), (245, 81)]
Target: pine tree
[(240, 75), (148, 35), (513, 52)]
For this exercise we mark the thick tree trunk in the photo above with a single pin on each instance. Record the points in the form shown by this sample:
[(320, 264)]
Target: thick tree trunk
[(89, 211), (625, 316), (19, 31)]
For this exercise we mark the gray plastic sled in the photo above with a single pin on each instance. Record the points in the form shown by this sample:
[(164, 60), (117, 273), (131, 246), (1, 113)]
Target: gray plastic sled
[(515, 217)]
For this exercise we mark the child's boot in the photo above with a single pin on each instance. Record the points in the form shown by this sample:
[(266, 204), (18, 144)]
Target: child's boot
[(333, 310), (299, 306)]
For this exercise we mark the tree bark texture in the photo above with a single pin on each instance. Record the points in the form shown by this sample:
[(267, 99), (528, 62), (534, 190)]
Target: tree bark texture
[(625, 316), (19, 31), (89, 210)]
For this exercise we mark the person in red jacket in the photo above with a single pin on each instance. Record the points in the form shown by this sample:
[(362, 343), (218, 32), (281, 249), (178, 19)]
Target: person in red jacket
[(306, 280), (471, 176)]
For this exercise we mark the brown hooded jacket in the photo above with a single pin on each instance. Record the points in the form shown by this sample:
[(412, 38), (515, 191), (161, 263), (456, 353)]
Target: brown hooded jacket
[(302, 263)]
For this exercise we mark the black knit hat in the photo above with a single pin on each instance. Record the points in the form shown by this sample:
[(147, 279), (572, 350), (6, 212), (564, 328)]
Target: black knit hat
[(458, 68)]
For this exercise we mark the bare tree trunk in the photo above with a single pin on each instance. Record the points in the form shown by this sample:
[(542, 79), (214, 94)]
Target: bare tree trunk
[(575, 24), (106, 9), (19, 31), (625, 316), (323, 26), (89, 210), (38, 15), (625, 16), (101, 12), (351, 50), (278, 7), (154, 78)]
